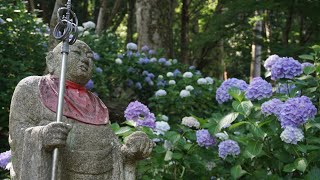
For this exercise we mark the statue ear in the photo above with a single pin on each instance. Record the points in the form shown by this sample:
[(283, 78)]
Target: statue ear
[(50, 62)]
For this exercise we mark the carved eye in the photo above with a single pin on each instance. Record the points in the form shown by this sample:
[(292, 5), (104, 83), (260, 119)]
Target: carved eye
[(77, 52)]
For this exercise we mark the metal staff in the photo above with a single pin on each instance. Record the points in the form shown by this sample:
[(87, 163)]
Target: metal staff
[(67, 31)]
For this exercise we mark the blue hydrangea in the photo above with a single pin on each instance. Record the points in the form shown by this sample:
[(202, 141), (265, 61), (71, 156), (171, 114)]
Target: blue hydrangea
[(176, 72), (98, 70), (143, 60), (161, 83), (150, 75), (204, 138), (138, 85), (292, 135), (151, 52), (285, 68), (162, 60), (272, 106), (270, 61), (296, 111), (5, 158), (258, 89), (130, 70), (120, 56), (140, 114), (89, 85), (222, 94), (129, 82), (96, 56), (228, 147)]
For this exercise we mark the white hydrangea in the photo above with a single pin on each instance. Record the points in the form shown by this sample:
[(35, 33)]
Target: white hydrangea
[(132, 46), (184, 93), (202, 81), (118, 61), (169, 74), (190, 122), (209, 80), (189, 88), (80, 28), (164, 117), (222, 136), (86, 33), (161, 92), (187, 75), (167, 145), (292, 135), (89, 25), (161, 127), (160, 77), (174, 61), (172, 82), (153, 59)]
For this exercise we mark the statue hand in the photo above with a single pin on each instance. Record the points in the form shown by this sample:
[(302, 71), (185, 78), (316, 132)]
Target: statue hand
[(137, 146), (55, 135)]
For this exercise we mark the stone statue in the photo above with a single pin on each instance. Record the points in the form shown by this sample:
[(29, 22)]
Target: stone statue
[(88, 148)]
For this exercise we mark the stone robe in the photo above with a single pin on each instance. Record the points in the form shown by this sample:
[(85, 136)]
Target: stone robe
[(92, 152)]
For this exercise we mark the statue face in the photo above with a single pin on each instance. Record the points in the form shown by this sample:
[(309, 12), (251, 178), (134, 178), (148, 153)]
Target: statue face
[(79, 65)]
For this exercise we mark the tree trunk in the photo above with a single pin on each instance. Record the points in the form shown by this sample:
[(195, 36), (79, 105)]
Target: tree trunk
[(287, 28), (31, 6), (154, 24), (267, 25), (184, 46), (53, 22), (101, 23), (114, 11), (255, 69), (130, 23)]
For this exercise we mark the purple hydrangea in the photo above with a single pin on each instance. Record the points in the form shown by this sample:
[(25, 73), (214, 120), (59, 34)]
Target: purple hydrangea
[(176, 72), (272, 106), (292, 135), (228, 147), (285, 68), (161, 83), (303, 65), (140, 114), (270, 61), (258, 89), (222, 94), (204, 138), (150, 75), (151, 52), (143, 60), (89, 85), (286, 88), (145, 48), (5, 158), (296, 111)]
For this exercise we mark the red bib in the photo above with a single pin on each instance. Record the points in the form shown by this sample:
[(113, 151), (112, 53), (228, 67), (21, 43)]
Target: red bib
[(79, 104)]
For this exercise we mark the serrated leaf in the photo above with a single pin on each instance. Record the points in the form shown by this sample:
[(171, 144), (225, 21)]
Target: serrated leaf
[(168, 156), (243, 107), (307, 57), (236, 93), (226, 121), (309, 69), (237, 172), (301, 164), (289, 167)]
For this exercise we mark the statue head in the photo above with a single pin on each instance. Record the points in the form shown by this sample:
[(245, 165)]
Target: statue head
[(79, 63)]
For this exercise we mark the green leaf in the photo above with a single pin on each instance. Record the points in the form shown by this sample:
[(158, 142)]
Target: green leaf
[(226, 121), (115, 126), (237, 172), (301, 164), (173, 136), (168, 156), (307, 57), (238, 124), (289, 167), (257, 131), (243, 107), (177, 156), (309, 69), (313, 174), (236, 93), (123, 130), (187, 146), (254, 148)]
